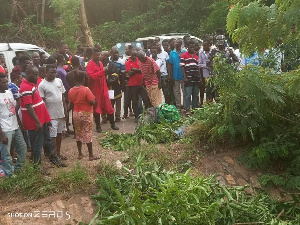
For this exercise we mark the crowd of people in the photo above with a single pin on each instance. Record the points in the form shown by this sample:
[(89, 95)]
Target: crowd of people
[(45, 95)]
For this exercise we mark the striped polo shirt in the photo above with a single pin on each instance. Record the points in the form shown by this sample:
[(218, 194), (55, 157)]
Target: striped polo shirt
[(30, 95), (190, 64), (149, 69)]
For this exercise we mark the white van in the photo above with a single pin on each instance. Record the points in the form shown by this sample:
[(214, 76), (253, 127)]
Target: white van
[(168, 36), (9, 51)]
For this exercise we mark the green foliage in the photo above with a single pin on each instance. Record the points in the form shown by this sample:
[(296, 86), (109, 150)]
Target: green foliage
[(149, 195), (29, 32), (152, 133), (256, 26), (259, 110), (165, 17), (217, 17), (68, 23), (31, 183), (111, 21)]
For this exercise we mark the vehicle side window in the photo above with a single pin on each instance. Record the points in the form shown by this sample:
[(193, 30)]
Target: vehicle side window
[(26, 52)]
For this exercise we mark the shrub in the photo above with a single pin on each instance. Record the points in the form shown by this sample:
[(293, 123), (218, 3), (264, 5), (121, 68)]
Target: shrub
[(260, 110)]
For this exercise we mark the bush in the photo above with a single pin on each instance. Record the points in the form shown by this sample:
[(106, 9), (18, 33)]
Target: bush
[(260, 110), (27, 31)]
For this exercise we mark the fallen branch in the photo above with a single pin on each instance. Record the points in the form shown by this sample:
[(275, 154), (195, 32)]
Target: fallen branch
[(280, 214)]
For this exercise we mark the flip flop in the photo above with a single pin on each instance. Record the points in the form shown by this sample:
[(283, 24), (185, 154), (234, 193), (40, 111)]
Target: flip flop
[(94, 158), (80, 157)]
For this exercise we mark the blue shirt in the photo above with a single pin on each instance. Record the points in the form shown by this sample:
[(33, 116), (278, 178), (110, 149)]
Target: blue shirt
[(120, 65), (254, 60), (14, 90), (175, 61)]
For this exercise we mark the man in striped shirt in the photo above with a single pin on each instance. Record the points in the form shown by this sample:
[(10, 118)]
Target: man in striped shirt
[(191, 74), (152, 81)]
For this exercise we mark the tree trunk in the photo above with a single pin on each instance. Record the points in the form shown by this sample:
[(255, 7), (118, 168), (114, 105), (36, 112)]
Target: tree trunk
[(84, 25), (14, 9), (43, 12)]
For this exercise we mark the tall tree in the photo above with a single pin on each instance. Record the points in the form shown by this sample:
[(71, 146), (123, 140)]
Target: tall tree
[(84, 25), (43, 12)]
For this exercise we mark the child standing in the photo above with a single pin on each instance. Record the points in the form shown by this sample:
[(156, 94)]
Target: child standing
[(81, 101)]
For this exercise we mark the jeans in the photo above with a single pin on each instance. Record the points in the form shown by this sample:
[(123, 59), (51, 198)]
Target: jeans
[(177, 88), (16, 139), (37, 141), (165, 88), (202, 90), (140, 105), (194, 92), (135, 92)]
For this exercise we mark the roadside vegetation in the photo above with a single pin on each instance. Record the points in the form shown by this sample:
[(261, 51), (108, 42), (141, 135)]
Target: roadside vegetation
[(30, 183), (148, 194)]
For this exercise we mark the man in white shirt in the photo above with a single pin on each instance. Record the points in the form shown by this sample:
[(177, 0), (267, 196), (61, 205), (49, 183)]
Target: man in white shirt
[(52, 92), (165, 84), (158, 61), (10, 132), (203, 56)]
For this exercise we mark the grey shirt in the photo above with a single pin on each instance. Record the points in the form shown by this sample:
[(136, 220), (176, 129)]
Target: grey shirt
[(52, 93), (203, 56)]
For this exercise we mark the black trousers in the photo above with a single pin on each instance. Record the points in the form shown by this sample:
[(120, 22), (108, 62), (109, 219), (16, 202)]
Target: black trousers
[(110, 118), (134, 92), (127, 101)]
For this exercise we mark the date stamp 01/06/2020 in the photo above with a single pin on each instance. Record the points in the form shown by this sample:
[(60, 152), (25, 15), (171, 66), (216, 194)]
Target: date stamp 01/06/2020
[(42, 214)]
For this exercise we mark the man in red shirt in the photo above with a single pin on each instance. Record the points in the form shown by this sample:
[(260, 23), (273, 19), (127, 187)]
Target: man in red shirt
[(135, 83), (98, 86), (152, 78), (2, 70), (35, 117)]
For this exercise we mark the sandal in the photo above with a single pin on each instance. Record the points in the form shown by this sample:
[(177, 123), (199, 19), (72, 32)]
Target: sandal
[(94, 158)]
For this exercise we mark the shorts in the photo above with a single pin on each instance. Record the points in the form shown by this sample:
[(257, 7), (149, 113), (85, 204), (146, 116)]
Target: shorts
[(57, 127)]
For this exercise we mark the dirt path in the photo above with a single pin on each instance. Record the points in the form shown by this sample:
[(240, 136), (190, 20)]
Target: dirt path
[(73, 209), (56, 210)]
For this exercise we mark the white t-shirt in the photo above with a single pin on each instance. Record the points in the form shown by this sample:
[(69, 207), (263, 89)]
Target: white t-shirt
[(164, 57), (8, 118), (159, 62), (52, 93), (241, 58)]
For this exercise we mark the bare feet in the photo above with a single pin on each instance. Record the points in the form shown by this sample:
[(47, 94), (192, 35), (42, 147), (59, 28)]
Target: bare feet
[(80, 157)]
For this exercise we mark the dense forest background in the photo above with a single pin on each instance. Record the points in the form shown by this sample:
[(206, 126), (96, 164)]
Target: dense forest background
[(48, 22)]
